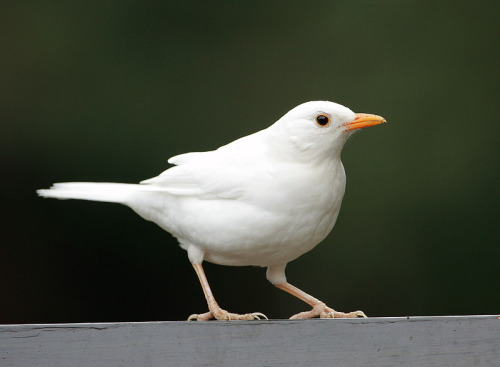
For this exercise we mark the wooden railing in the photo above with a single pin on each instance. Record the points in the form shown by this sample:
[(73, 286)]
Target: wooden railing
[(398, 341)]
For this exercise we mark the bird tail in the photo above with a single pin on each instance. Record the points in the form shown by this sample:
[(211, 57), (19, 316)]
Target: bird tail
[(96, 191)]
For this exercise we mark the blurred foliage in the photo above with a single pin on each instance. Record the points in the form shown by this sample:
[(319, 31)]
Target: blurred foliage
[(107, 91)]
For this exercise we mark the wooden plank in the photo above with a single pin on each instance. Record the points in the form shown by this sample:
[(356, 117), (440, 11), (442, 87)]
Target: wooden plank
[(408, 341)]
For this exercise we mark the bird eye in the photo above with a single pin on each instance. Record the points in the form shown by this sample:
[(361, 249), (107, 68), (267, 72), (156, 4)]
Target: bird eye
[(322, 120)]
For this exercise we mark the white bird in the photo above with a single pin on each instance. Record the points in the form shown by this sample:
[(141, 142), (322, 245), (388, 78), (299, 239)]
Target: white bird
[(262, 200)]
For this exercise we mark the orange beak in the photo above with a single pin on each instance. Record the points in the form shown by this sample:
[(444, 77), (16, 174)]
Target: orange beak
[(364, 120)]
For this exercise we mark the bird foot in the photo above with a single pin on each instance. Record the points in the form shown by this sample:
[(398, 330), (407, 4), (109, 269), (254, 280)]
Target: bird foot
[(223, 315), (325, 312)]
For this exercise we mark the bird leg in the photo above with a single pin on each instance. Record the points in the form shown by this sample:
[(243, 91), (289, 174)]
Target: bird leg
[(318, 308), (215, 310)]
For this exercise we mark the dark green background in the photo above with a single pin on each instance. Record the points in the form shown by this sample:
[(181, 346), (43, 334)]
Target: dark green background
[(108, 91)]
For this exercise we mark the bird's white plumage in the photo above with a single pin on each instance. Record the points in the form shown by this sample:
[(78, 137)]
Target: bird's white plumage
[(263, 200)]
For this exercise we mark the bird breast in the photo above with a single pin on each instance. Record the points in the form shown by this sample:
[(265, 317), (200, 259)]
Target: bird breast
[(281, 214)]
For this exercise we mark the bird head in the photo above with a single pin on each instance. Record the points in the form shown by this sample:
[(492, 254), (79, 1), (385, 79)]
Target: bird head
[(319, 129)]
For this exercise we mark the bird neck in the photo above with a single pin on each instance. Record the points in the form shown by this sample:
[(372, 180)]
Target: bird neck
[(291, 148)]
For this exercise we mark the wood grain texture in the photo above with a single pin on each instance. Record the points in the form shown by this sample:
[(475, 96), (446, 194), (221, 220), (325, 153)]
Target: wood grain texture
[(408, 341)]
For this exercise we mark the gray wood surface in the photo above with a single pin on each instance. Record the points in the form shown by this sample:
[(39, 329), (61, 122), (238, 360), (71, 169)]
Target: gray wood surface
[(399, 341)]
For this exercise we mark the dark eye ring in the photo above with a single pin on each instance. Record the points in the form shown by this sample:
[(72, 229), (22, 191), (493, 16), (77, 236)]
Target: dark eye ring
[(322, 120)]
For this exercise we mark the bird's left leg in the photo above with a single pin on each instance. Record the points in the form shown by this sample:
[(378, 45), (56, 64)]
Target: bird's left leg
[(276, 275), (215, 310)]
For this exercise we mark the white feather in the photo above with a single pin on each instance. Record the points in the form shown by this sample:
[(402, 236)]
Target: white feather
[(95, 191)]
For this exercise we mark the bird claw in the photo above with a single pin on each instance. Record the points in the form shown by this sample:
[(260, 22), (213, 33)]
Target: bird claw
[(324, 312), (201, 317), (353, 315), (223, 315), (259, 315)]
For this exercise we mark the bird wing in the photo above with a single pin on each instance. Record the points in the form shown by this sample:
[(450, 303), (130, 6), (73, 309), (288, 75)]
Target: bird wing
[(203, 175), (219, 174)]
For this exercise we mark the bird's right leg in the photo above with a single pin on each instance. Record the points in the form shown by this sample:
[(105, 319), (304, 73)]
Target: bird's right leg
[(276, 275), (215, 310)]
